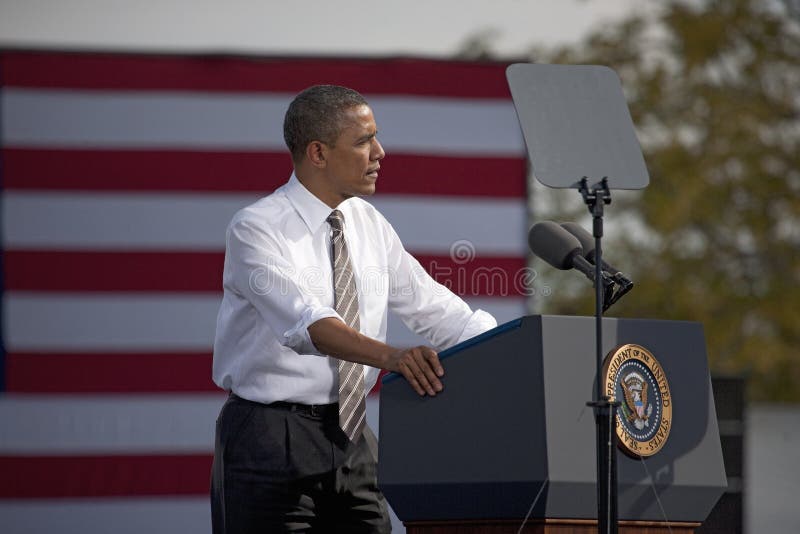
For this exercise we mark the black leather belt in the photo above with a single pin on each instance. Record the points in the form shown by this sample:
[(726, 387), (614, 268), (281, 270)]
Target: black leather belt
[(316, 410)]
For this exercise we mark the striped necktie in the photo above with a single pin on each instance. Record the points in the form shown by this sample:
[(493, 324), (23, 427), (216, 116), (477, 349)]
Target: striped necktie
[(352, 406)]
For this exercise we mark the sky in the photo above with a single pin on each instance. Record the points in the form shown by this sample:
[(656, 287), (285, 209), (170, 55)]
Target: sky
[(432, 28)]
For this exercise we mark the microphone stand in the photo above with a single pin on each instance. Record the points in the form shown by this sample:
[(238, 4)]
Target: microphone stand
[(605, 410)]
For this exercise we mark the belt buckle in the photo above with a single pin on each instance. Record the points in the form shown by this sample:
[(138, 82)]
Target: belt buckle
[(315, 411)]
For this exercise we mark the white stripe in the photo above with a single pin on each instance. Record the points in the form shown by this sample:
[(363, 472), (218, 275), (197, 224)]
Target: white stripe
[(162, 515), (350, 315), (115, 424), (346, 425), (110, 321), (349, 429), (425, 224), (347, 407), (160, 119), (149, 322), (341, 284), (503, 309), (339, 251), (81, 118), (351, 368), (456, 126), (84, 221), (97, 424), (119, 221)]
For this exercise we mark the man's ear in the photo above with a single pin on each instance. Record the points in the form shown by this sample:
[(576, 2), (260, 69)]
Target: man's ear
[(317, 153)]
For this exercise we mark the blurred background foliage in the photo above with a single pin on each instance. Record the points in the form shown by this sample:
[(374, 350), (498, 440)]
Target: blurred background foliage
[(714, 91)]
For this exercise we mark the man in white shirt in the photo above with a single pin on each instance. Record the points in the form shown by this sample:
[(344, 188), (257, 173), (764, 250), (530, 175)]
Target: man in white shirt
[(310, 273)]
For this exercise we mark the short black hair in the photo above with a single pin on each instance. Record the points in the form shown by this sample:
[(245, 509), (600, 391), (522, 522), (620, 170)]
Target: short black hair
[(317, 114)]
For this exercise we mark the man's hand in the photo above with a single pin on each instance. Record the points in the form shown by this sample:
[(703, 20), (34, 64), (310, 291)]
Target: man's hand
[(420, 366)]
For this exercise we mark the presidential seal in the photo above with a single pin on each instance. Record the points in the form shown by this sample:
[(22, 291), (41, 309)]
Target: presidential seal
[(633, 376)]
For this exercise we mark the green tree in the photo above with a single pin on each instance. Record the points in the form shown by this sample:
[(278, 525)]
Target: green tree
[(714, 90)]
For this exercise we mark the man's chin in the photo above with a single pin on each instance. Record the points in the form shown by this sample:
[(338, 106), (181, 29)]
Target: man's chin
[(361, 192), (366, 191)]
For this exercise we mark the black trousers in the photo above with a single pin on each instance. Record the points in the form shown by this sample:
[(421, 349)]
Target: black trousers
[(290, 468)]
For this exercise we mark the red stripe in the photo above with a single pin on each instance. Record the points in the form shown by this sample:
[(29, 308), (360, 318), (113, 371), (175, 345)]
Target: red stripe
[(43, 477), (376, 389), (154, 170), (26, 270), (113, 271), (221, 73), (482, 276), (108, 373), (48, 373)]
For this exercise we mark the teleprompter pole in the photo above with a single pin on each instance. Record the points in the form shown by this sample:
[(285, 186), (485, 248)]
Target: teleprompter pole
[(605, 409), (576, 121)]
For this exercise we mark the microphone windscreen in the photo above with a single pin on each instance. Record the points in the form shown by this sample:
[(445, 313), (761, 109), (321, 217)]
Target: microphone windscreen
[(553, 244), (584, 237)]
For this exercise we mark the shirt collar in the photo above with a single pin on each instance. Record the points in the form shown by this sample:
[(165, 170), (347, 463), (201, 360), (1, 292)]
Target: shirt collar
[(312, 210)]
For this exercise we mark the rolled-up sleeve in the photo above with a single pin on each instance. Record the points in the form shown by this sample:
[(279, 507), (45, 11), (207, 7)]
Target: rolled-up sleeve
[(256, 270), (427, 307)]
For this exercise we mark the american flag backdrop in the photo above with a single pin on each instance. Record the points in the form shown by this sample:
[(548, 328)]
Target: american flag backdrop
[(120, 173)]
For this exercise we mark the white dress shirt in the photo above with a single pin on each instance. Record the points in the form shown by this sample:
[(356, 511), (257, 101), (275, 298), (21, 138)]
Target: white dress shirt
[(278, 280)]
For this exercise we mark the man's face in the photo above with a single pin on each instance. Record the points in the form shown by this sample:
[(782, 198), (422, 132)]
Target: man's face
[(352, 163)]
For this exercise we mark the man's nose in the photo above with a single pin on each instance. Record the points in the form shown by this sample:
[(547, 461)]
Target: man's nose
[(377, 150)]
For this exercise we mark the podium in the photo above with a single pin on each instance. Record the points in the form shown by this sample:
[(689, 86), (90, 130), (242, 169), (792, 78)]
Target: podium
[(512, 423)]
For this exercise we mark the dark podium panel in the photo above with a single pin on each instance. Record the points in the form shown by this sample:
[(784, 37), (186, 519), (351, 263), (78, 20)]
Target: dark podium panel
[(513, 415)]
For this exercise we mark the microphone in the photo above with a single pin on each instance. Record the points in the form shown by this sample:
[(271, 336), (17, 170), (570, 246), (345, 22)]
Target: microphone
[(588, 244), (559, 248)]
